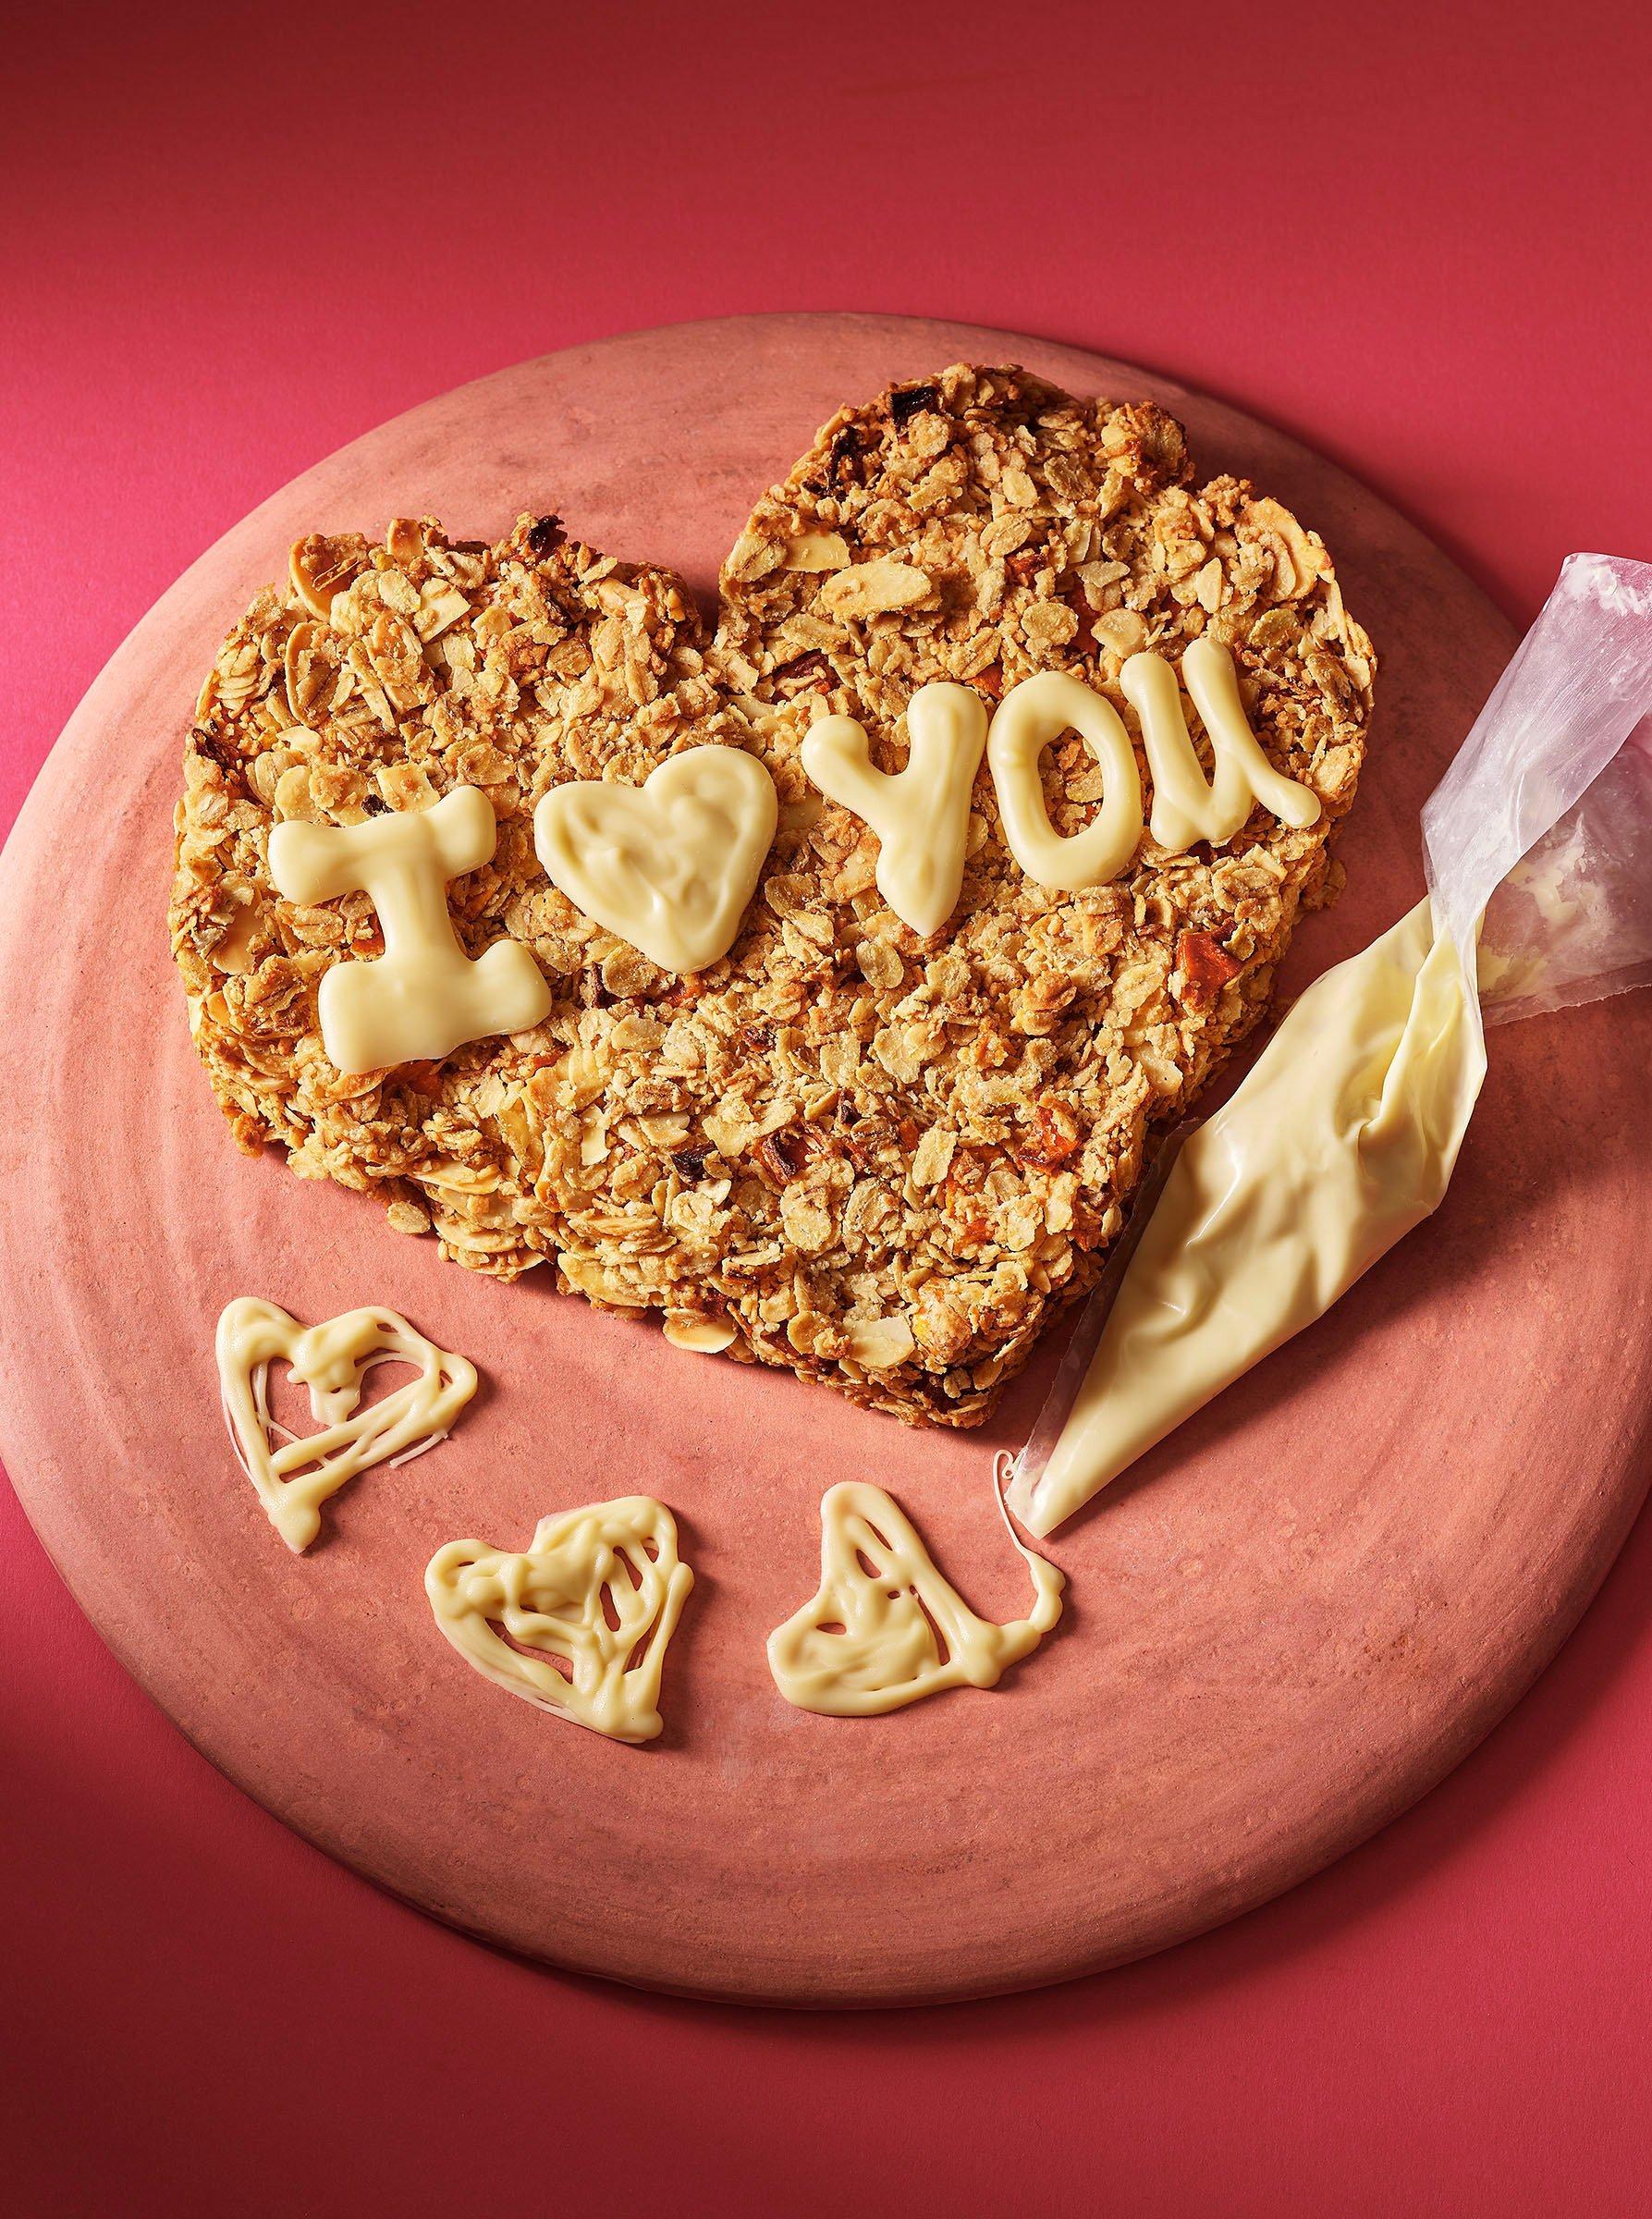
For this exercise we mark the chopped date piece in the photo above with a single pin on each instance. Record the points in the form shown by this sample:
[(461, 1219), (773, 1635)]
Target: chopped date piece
[(907, 401), (545, 534), (1206, 967)]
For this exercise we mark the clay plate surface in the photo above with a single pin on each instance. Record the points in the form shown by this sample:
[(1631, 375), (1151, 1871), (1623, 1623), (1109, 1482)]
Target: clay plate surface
[(1283, 1627)]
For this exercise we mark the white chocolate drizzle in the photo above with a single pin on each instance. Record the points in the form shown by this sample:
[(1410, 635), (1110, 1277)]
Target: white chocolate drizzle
[(1186, 805), (886, 1627), (921, 814), (424, 995), (1030, 716), (671, 864), (579, 1622), (333, 1361)]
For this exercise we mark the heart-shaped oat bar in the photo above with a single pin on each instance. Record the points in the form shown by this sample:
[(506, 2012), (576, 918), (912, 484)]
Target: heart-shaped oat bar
[(879, 1159)]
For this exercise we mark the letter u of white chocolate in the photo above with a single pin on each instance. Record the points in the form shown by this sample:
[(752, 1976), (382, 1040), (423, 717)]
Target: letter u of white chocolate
[(423, 997), (1187, 806), (920, 814)]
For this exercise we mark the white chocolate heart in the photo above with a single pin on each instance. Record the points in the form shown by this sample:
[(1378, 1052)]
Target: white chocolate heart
[(332, 1360), (886, 1627), (601, 1589), (424, 995), (920, 814), (671, 864)]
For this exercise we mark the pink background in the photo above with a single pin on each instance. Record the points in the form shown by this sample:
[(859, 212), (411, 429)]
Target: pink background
[(1419, 243)]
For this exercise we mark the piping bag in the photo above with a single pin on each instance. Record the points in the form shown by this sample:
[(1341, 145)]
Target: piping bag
[(1344, 1133)]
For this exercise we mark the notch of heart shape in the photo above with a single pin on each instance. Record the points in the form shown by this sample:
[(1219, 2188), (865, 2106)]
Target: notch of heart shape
[(671, 865)]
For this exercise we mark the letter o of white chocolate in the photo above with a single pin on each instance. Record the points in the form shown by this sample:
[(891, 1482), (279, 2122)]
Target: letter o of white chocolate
[(1033, 713)]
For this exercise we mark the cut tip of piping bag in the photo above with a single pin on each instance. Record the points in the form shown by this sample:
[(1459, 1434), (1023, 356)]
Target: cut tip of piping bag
[(1023, 1470)]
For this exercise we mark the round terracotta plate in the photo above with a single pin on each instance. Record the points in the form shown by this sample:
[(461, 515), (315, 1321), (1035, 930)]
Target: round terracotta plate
[(1284, 1626)]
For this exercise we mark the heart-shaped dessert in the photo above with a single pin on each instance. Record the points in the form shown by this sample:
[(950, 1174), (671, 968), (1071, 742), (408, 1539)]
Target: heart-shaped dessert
[(880, 1158), (669, 865), (887, 1627), (579, 1622), (332, 1360)]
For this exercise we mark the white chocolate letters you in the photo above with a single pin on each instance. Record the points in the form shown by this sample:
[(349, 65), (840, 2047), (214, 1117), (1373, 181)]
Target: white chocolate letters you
[(424, 995), (590, 1607), (885, 1628), (921, 814), (332, 1360), (671, 864), (1186, 806)]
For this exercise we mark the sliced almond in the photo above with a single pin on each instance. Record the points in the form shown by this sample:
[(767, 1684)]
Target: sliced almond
[(708, 1336), (817, 551), (322, 566), (868, 588)]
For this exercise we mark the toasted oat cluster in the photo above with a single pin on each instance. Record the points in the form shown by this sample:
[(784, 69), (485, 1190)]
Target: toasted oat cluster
[(878, 1159)]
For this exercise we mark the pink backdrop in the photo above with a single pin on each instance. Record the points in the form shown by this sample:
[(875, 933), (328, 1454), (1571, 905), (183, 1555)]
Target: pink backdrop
[(1417, 238)]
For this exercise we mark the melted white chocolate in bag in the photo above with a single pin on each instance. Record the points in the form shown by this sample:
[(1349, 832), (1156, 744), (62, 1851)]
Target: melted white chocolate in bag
[(922, 814), (423, 997), (333, 1361), (591, 1606), (886, 1627), (1339, 1141), (671, 864)]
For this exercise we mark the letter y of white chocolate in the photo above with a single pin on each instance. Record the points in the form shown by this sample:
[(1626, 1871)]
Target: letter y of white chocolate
[(922, 814), (424, 995)]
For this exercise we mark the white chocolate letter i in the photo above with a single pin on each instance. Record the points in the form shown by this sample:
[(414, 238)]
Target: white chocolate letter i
[(921, 814), (424, 995)]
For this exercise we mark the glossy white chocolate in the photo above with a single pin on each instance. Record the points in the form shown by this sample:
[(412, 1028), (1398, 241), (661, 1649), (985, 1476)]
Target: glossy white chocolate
[(886, 1627), (1341, 1139), (333, 1361), (920, 814), (669, 865), (593, 1601), (423, 997)]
